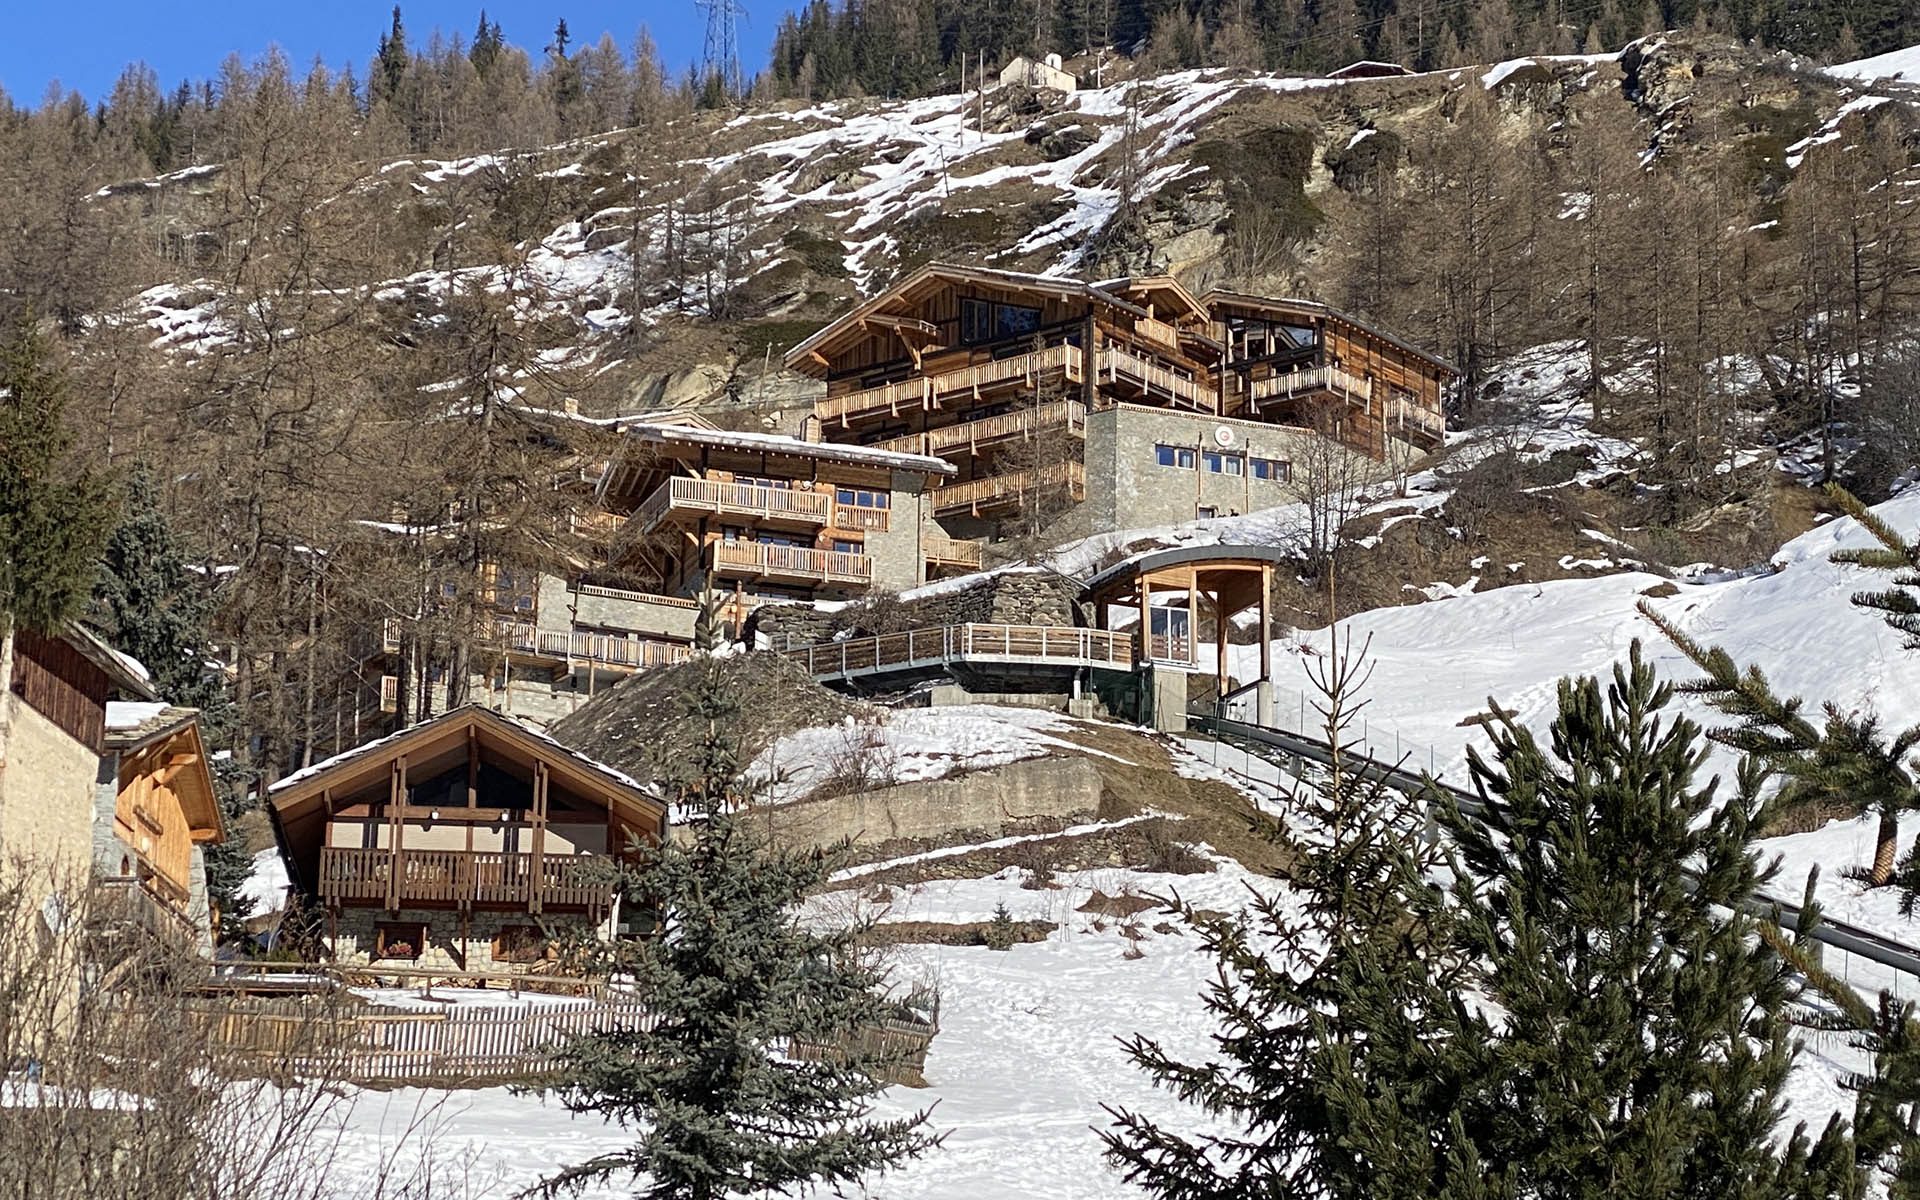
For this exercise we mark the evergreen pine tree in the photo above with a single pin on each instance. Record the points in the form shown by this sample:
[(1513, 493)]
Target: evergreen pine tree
[(152, 606), (1645, 1026), (1888, 1114), (1329, 1064), (735, 984), (1848, 760), (54, 517)]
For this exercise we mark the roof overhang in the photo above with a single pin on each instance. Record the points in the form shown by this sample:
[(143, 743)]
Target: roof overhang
[(1313, 308)]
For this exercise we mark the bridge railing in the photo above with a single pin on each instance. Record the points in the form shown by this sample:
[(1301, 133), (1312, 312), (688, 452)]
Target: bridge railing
[(979, 642)]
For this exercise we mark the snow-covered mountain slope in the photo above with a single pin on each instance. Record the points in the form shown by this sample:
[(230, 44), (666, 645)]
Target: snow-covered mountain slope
[(1896, 66)]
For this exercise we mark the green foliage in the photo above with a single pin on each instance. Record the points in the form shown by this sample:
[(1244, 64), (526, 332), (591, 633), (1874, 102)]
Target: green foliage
[(1846, 762), (1888, 1115), (1321, 1067), (736, 983), (1645, 1027), (1000, 933), (54, 516)]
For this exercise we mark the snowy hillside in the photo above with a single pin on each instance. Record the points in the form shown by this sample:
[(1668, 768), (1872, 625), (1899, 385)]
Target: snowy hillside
[(1897, 66)]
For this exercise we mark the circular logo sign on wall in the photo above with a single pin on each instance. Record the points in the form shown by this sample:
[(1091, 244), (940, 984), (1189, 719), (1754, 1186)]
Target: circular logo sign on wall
[(1223, 436)]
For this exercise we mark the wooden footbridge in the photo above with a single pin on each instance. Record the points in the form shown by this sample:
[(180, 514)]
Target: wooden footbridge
[(970, 645)]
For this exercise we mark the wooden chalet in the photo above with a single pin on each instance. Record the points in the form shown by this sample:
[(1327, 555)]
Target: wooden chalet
[(763, 514), (975, 366), (966, 364), (1295, 362), (156, 811), (462, 843)]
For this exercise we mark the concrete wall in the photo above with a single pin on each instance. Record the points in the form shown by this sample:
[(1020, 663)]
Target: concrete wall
[(984, 801), (355, 938), (1127, 488), (605, 612), (46, 795)]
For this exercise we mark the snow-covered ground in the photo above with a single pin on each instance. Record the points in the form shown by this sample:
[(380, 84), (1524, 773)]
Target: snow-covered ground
[(1435, 665), (1901, 66)]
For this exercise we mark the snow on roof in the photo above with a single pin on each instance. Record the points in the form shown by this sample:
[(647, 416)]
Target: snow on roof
[(306, 773), (775, 443), (132, 714)]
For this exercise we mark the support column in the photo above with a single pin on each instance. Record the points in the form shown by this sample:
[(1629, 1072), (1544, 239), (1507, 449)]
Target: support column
[(1146, 619), (396, 824), (1220, 642), (538, 859), (1266, 621)]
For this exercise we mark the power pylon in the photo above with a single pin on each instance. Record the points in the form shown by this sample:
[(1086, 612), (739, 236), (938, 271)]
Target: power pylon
[(722, 56)]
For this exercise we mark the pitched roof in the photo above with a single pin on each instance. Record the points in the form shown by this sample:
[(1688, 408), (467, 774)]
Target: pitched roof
[(773, 443), (132, 724), (801, 357), (1317, 309), (310, 780)]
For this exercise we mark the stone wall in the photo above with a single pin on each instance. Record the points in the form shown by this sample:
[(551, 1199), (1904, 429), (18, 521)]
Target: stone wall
[(1127, 488), (982, 802), (1018, 596), (898, 563), (356, 938)]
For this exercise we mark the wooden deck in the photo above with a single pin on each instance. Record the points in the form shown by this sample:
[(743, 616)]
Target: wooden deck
[(982, 644), (925, 392), (1008, 490), (1070, 415), (799, 564), (459, 877)]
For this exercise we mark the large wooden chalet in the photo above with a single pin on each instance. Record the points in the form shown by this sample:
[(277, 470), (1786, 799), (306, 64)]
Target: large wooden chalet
[(972, 365), (465, 843), (766, 515)]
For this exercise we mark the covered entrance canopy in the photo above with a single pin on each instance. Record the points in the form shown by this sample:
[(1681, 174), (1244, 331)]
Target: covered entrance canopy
[(1171, 589)]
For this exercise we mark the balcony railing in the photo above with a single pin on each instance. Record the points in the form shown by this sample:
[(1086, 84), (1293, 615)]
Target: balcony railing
[(1424, 423), (803, 563), (951, 553), (710, 497), (612, 593), (1119, 364), (995, 491), (1329, 379), (855, 516), (926, 391), (611, 649), (461, 877), (971, 435)]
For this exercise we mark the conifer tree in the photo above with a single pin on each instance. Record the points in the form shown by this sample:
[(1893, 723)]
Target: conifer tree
[(722, 1101), (151, 605), (54, 517), (1645, 1026), (1846, 760), (1326, 1062)]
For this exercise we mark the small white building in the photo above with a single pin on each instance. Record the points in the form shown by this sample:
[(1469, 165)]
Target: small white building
[(1047, 73)]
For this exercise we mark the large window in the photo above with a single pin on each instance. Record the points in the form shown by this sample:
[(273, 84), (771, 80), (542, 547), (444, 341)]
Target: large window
[(986, 321), (861, 498), (1277, 470), (1174, 456)]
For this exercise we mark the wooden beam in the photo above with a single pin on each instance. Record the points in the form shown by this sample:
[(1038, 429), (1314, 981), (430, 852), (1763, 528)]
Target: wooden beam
[(1146, 618), (396, 825), (1266, 621), (538, 860)]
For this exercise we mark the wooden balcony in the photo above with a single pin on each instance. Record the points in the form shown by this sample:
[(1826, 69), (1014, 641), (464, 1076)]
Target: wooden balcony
[(1313, 381), (793, 564), (711, 498), (1070, 415), (1421, 426), (927, 392), (611, 649), (462, 878), (999, 492), (855, 516), (950, 554), (1124, 368)]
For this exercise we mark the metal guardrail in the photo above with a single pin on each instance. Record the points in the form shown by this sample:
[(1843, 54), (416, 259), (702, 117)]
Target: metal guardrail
[(1840, 935)]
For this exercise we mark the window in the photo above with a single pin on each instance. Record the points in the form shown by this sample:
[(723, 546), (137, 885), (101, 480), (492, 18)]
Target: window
[(983, 321), (1206, 512), (756, 481), (399, 939), (1273, 469), (843, 546), (1174, 456), (861, 498), (1234, 464), (389, 693)]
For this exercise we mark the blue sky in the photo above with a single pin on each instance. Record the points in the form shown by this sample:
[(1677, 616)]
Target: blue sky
[(85, 44)]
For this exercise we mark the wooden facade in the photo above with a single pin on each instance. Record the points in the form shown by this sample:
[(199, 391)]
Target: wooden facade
[(994, 371), (774, 515), (467, 814), (64, 683), (164, 803)]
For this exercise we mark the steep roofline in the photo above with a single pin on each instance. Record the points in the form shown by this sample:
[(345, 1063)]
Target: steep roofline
[(1216, 295), (775, 443)]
